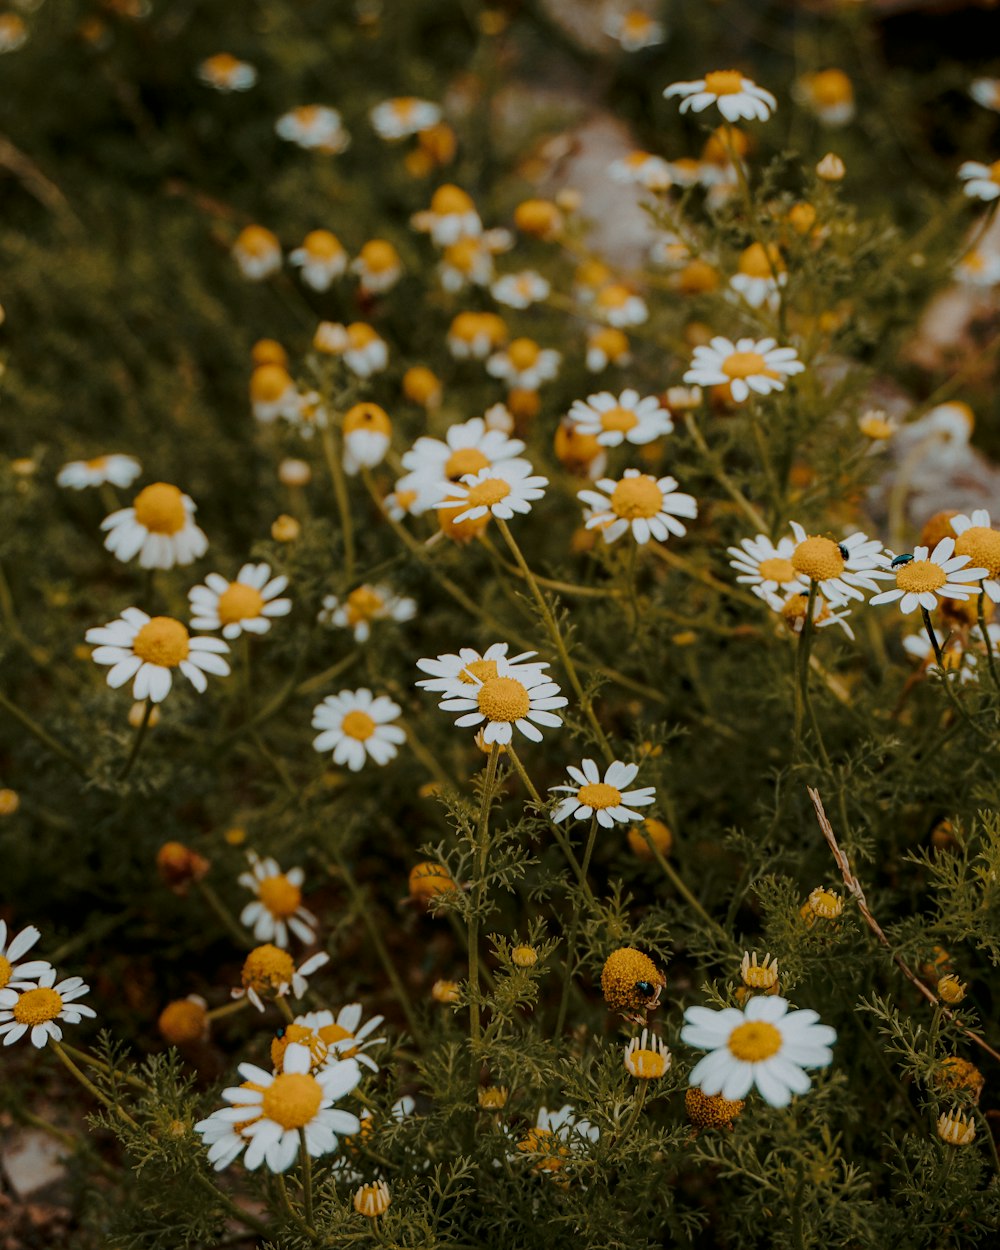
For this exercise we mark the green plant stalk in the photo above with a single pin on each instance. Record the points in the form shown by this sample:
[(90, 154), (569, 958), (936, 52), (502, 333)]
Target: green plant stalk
[(42, 735), (223, 913), (946, 679), (140, 734), (307, 1185), (560, 836), (478, 894), (339, 481), (991, 662), (90, 1087), (572, 936)]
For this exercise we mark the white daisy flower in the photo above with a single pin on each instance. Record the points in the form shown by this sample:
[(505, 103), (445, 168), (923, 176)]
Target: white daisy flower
[(978, 270), (841, 570), (149, 649), (986, 91), (343, 1035), (920, 648), (358, 344), (764, 567), (737, 97), (765, 1045), (15, 971), (468, 667), (281, 1105), (403, 116), (977, 540), (226, 73), (606, 346), (524, 364), (499, 417), (159, 528), (364, 605), (38, 1008), (467, 448), (554, 1136), (793, 609), (469, 262), (378, 266), (647, 506), (619, 306), (634, 30), (315, 127), (927, 575), (829, 94), (277, 906), (13, 32), (760, 277), (269, 970), (608, 800), (748, 366), (501, 491), (245, 605), (520, 290), (647, 1057), (321, 258), (472, 335), (224, 1138), (982, 182), (367, 432), (117, 469), (451, 216), (518, 695), (641, 169), (257, 252), (357, 726), (401, 501), (625, 419), (273, 394)]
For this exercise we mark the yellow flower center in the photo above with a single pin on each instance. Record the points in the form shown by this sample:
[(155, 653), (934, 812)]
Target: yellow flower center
[(318, 1049), (744, 365), (379, 256), (478, 670), (622, 419), (98, 462), (831, 86), (462, 255), (366, 416), (162, 641), (359, 335), (758, 263), (363, 604), (724, 82), (503, 699), (636, 497), (995, 172), (239, 603), (818, 558), (755, 1040), (267, 383), (465, 460), (267, 967), (256, 241), (523, 353), (322, 245), (292, 1099), (279, 896), (647, 1064), (38, 1005), (983, 545), (160, 509), (486, 494), (614, 296), (777, 569), (919, 576), (450, 199), (358, 725), (599, 796), (5, 971)]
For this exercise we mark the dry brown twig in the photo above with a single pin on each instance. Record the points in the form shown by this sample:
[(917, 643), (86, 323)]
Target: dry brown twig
[(854, 885)]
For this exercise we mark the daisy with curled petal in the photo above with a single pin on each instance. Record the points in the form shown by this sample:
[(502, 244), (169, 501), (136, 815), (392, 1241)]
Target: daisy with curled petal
[(245, 605), (277, 906), (268, 971), (608, 800), (647, 506), (315, 127), (501, 491), (117, 469), (468, 667), (343, 1034), (764, 567), (358, 726), (928, 575), (159, 528), (840, 570), (981, 543), (364, 605), (403, 116), (794, 610), (524, 365), (625, 419), (735, 95), (748, 366), (223, 1136), (467, 448), (39, 1007), (520, 290), (765, 1045), (149, 649), (982, 182), (16, 972), (519, 696)]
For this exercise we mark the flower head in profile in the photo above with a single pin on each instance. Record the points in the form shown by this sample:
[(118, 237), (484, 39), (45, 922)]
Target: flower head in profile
[(321, 259), (642, 169), (115, 469), (365, 605), (159, 528), (469, 261), (341, 1035), (794, 610), (467, 448), (273, 394), (37, 1008), (982, 182), (619, 306), (359, 345), (403, 116), (246, 605), (735, 96), (315, 127), (607, 345), (765, 567), (467, 667), (257, 252), (520, 290), (634, 29), (269, 972), (504, 696), (840, 570), (610, 800), (276, 907), (225, 72), (626, 418), (747, 366), (367, 432), (473, 335), (647, 1057), (16, 972), (649, 507), (556, 1137), (357, 726), (378, 266), (525, 365), (501, 490), (765, 1044), (829, 94), (986, 91), (150, 648), (760, 276), (452, 216)]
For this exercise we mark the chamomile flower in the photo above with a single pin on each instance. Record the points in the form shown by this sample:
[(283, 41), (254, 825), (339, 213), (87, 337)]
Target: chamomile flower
[(452, 216), (606, 346), (277, 905), (982, 182), (367, 432), (760, 277), (642, 169), (647, 506), (115, 469), (15, 971), (520, 290), (38, 1007), (225, 72), (610, 800), (524, 364), (321, 259), (225, 1138), (257, 252), (469, 262), (619, 306), (976, 269), (920, 581), (841, 570), (149, 649), (557, 1135), (469, 668), (315, 127), (269, 971), (359, 345), (500, 490), (159, 528), (977, 540), (363, 606), (647, 1057), (986, 91), (343, 1035), (273, 394), (748, 366), (467, 448), (765, 1045), (794, 610), (829, 94), (472, 335), (13, 32), (736, 97), (634, 30), (245, 605), (764, 567), (514, 695), (403, 116), (626, 418), (358, 727), (378, 266)]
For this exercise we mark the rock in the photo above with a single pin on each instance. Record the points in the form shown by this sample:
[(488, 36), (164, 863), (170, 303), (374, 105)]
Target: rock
[(31, 1161)]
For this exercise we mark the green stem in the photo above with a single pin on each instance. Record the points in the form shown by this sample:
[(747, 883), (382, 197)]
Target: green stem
[(91, 1088), (630, 1123), (42, 735), (101, 1066), (307, 1183), (140, 733), (227, 1009), (675, 879), (237, 1212), (572, 936), (296, 1219), (987, 643), (722, 477), (560, 836), (946, 679), (479, 890), (223, 913), (337, 477)]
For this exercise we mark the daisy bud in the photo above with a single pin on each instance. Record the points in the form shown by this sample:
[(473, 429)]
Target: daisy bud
[(285, 529), (646, 1057), (492, 1097), (179, 866), (759, 976), (10, 801), (184, 1021), (523, 403), (428, 880), (649, 831), (372, 1200), (876, 425), (631, 981), (577, 451), (943, 835), (831, 168), (937, 527), (294, 473), (257, 252), (445, 992), (802, 217), (823, 904), (235, 836), (487, 747), (711, 1110), (524, 956), (951, 989), (956, 1128)]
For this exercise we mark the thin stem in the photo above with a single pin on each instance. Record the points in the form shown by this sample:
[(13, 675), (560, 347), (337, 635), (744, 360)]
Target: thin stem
[(560, 836), (572, 936), (227, 1009), (479, 889), (946, 679), (307, 1181), (630, 1123), (987, 641), (140, 733), (91, 1088), (337, 477), (223, 912), (296, 1219), (237, 1212), (722, 477), (41, 734), (101, 1066), (675, 879)]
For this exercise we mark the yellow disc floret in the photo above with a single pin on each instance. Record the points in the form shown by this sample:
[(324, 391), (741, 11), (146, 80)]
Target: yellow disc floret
[(160, 509), (487, 493), (724, 82), (162, 641), (599, 796), (302, 1036), (920, 576), (267, 967), (37, 1005), (292, 1099), (755, 1040), (818, 558), (357, 724), (983, 545), (635, 497), (239, 603), (503, 699), (464, 461), (279, 895), (367, 417), (711, 1110), (630, 980)]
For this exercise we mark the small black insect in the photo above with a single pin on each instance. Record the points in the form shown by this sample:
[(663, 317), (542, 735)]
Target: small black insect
[(645, 989), (844, 551), (903, 559), (280, 1032)]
